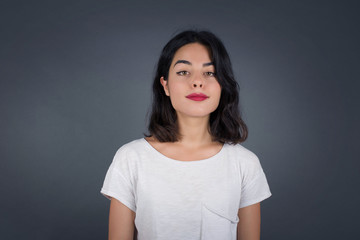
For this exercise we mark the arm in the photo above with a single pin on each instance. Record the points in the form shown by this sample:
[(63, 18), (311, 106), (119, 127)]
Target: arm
[(249, 223), (121, 221)]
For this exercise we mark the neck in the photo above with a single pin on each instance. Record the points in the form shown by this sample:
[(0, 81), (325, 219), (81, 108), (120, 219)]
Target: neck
[(194, 131)]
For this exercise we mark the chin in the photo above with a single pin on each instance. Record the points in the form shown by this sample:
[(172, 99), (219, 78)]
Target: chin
[(194, 114)]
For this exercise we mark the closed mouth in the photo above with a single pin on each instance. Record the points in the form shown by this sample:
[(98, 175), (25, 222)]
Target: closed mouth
[(197, 96)]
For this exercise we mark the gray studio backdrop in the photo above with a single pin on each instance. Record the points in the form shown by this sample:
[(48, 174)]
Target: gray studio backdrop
[(75, 84)]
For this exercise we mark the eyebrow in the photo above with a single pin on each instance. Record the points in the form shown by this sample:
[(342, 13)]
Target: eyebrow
[(189, 63)]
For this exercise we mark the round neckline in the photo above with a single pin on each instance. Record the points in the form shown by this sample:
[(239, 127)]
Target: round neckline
[(200, 161)]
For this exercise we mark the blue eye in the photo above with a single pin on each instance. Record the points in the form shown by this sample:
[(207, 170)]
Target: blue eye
[(182, 73)]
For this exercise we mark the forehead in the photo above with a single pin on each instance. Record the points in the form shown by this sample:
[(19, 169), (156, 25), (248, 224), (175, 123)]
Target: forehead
[(192, 52)]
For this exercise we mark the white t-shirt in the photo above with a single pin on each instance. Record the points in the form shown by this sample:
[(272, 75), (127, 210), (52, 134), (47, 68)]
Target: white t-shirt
[(185, 200)]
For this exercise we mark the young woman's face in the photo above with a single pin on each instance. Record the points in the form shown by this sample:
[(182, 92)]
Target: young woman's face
[(192, 85)]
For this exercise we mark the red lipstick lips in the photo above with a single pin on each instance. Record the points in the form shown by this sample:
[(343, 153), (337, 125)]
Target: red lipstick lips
[(197, 96)]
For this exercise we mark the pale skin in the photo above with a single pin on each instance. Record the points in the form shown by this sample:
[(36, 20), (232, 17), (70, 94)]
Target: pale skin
[(190, 71)]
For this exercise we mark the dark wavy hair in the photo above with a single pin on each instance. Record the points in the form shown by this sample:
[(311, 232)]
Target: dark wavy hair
[(226, 124)]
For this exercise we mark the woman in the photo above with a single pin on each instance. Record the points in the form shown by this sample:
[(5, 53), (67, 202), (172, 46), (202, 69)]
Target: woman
[(189, 178)]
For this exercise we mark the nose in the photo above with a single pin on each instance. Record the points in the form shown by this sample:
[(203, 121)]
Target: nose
[(197, 82)]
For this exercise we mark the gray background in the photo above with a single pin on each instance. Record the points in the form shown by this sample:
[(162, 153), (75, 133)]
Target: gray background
[(76, 85)]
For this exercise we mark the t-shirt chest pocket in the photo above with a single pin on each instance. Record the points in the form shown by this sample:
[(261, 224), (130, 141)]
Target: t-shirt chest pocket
[(219, 210), (217, 224)]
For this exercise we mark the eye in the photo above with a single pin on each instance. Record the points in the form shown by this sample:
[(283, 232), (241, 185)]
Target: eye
[(182, 73), (209, 74)]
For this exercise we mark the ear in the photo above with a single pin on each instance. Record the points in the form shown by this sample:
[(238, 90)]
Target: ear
[(164, 83)]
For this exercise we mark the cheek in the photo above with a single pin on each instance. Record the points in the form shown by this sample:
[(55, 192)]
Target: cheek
[(176, 88), (217, 94), (216, 89), (176, 93)]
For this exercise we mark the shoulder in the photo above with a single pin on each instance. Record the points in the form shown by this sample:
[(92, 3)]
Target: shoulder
[(128, 153), (132, 146), (243, 155)]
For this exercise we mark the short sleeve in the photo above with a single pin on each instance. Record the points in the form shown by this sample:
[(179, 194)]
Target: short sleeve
[(255, 187), (117, 181)]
